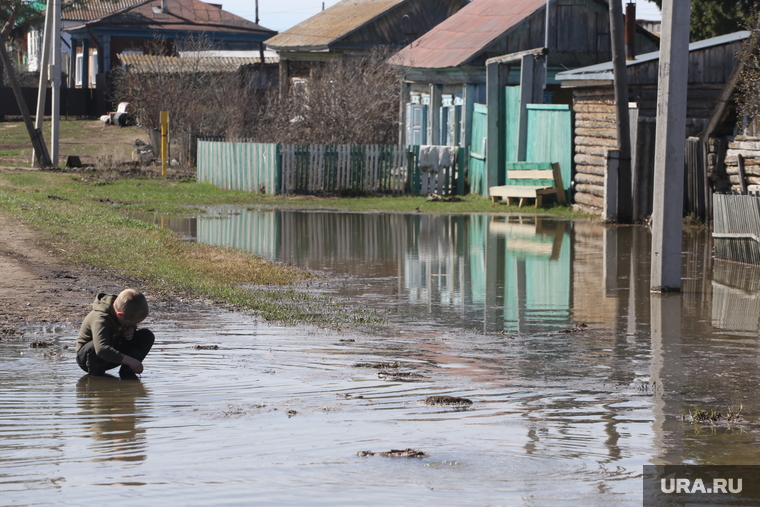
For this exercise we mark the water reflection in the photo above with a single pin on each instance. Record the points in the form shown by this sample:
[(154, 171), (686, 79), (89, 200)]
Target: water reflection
[(584, 407), (112, 410), (472, 271)]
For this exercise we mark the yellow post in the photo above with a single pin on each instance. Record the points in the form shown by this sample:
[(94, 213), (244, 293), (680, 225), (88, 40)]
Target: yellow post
[(164, 133)]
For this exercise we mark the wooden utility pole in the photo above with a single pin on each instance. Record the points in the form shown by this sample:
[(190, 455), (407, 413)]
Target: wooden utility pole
[(624, 180), (667, 215)]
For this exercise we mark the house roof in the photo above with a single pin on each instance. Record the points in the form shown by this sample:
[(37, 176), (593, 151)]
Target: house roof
[(95, 9), (331, 25), (173, 64), (466, 34), (180, 15), (605, 71)]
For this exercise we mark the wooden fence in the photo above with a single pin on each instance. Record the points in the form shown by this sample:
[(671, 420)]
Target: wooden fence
[(736, 227), (89, 102), (310, 168)]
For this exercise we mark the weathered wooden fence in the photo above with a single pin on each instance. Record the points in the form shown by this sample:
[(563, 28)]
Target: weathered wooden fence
[(309, 168), (736, 227), (697, 188), (314, 168)]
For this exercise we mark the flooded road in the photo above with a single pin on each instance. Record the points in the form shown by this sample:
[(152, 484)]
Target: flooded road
[(486, 308)]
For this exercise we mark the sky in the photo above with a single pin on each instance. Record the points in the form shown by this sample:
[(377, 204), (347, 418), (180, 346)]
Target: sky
[(280, 15)]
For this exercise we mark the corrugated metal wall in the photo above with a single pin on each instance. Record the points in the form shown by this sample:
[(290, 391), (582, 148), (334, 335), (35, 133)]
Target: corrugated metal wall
[(252, 167)]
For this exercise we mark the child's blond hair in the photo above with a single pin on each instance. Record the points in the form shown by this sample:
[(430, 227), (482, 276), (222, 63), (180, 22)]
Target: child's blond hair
[(132, 304)]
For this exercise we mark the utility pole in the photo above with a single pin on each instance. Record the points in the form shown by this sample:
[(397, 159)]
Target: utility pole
[(43, 66), (624, 180), (55, 105), (667, 215)]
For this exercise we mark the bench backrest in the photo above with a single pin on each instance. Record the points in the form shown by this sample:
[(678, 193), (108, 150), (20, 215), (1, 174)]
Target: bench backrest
[(545, 174)]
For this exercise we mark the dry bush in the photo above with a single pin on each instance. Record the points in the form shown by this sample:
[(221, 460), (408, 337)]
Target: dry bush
[(110, 158), (348, 101), (351, 101)]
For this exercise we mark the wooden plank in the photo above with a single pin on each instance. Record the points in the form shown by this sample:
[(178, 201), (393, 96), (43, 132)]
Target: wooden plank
[(527, 174), (515, 191)]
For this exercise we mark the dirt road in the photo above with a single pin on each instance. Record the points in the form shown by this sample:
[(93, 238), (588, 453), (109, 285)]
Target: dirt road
[(36, 288)]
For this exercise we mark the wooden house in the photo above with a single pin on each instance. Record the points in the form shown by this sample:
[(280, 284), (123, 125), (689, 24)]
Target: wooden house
[(105, 32), (711, 63), (447, 66), (355, 27)]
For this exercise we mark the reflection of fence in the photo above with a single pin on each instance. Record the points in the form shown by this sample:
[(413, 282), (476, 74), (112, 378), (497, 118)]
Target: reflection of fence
[(305, 168), (736, 297), (736, 227)]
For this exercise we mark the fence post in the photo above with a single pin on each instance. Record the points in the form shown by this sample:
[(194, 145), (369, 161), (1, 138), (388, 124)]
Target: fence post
[(611, 186)]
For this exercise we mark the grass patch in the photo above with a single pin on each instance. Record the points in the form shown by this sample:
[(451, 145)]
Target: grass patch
[(81, 223)]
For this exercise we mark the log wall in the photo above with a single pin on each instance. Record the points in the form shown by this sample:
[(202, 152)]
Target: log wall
[(595, 133), (749, 149)]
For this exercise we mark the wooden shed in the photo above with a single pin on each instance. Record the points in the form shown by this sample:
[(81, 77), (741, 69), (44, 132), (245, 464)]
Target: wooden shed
[(711, 63), (354, 27)]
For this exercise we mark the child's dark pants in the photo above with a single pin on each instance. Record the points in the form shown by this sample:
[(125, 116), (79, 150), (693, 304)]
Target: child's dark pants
[(138, 347)]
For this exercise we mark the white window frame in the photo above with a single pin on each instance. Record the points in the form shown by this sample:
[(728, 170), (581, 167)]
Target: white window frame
[(78, 69), (93, 67)]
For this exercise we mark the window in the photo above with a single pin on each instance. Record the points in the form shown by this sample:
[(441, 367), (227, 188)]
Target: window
[(93, 67), (78, 69)]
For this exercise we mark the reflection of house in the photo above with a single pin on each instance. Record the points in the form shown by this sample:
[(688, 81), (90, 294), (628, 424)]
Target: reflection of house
[(356, 26), (446, 68), (710, 64), (104, 33)]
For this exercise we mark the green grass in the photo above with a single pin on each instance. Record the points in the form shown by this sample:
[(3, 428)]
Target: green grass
[(74, 220), (162, 196)]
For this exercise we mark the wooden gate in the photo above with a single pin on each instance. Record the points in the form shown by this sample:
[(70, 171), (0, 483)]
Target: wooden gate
[(477, 166), (550, 138)]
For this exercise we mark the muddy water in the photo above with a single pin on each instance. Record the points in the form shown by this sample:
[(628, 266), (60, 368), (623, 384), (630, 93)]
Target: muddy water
[(484, 308)]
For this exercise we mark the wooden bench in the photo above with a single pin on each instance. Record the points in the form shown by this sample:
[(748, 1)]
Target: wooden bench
[(530, 180)]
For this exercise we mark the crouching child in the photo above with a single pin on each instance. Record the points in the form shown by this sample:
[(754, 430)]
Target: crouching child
[(109, 336)]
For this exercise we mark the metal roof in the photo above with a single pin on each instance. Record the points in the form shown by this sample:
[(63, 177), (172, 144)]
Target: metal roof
[(182, 15), (466, 34), (605, 72), (331, 25), (174, 64)]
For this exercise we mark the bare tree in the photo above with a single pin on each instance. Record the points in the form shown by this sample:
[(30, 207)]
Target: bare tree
[(749, 83), (16, 16), (350, 101)]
